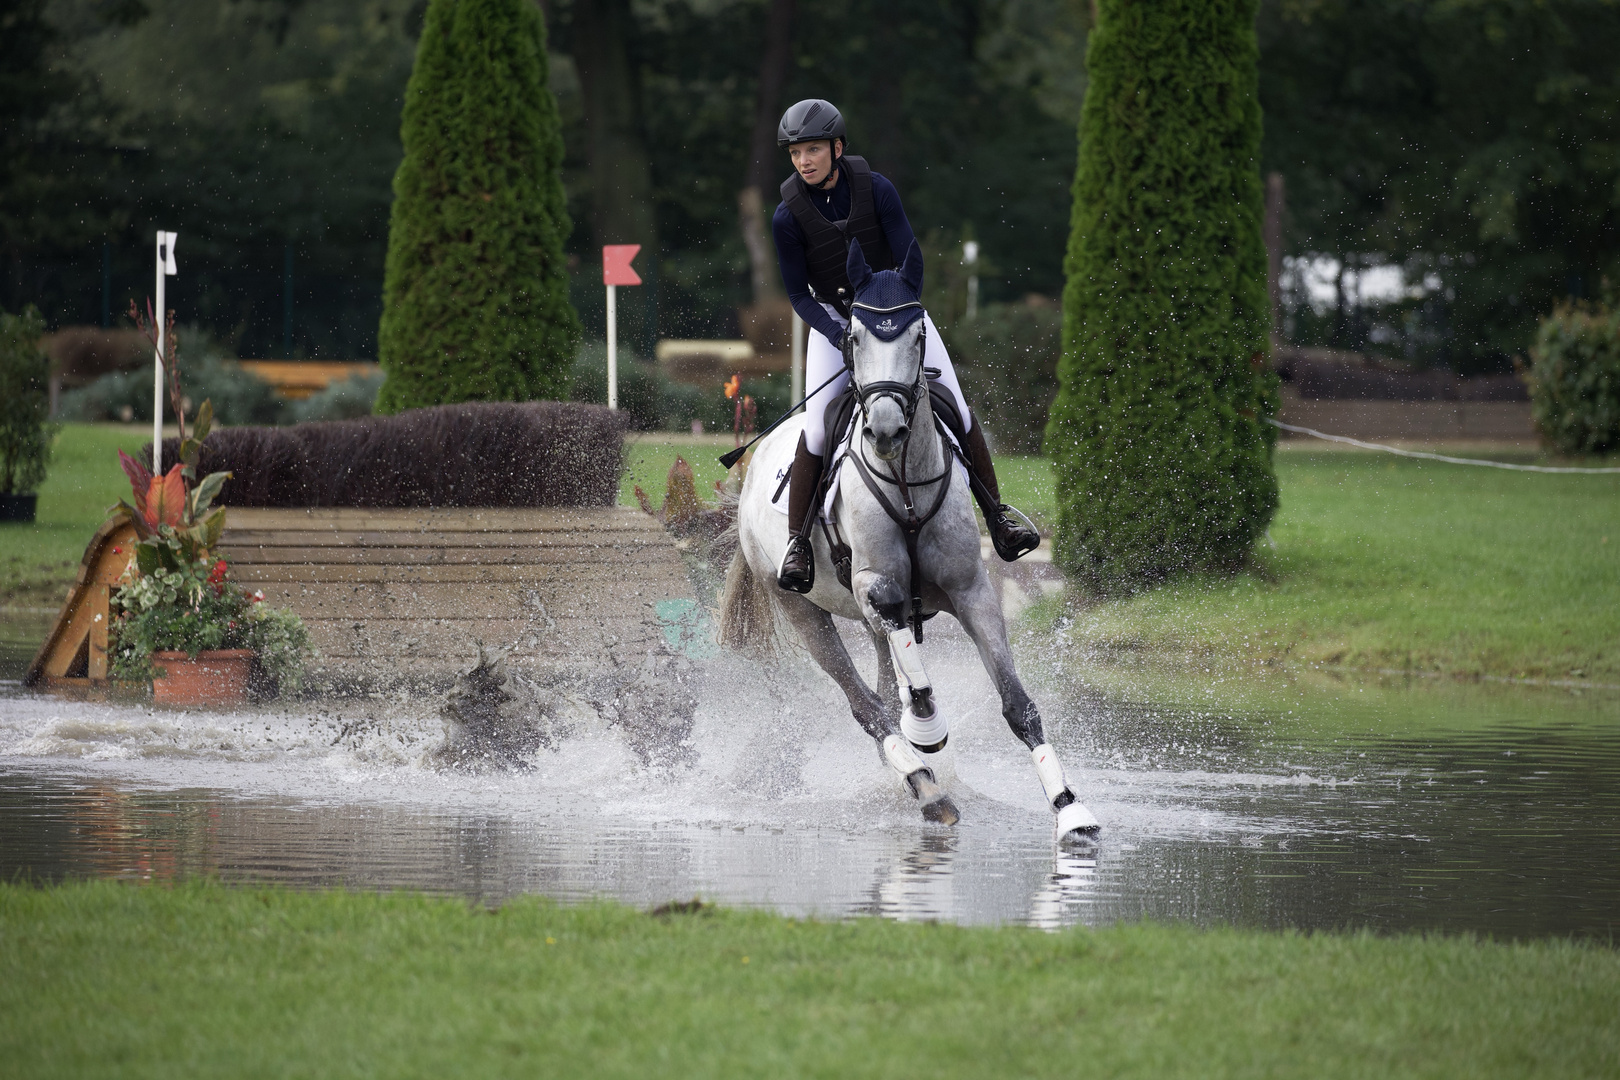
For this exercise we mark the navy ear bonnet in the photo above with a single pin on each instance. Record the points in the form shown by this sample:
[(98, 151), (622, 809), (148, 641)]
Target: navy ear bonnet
[(886, 302)]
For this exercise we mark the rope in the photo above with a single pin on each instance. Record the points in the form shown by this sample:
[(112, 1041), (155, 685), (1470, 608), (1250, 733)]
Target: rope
[(1428, 456)]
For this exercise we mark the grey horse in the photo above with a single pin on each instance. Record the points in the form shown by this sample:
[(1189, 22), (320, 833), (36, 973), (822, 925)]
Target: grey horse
[(896, 439)]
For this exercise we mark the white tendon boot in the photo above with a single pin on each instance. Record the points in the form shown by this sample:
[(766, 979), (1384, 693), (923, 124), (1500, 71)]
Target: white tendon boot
[(1074, 821), (922, 721)]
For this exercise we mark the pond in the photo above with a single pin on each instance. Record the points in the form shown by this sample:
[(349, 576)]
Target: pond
[(1258, 801)]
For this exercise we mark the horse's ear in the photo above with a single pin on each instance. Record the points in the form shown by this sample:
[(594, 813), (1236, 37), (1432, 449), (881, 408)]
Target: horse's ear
[(911, 271), (859, 273)]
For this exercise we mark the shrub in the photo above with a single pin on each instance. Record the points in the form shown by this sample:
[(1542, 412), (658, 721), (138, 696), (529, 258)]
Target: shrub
[(1007, 360), (1575, 380), (25, 431), (345, 399), (1163, 459), (476, 454), (207, 373), (475, 290)]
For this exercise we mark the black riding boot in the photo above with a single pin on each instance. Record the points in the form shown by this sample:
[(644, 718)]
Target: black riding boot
[(1012, 537), (798, 570)]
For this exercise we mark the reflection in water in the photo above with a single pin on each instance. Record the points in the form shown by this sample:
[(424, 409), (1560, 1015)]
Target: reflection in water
[(1068, 888)]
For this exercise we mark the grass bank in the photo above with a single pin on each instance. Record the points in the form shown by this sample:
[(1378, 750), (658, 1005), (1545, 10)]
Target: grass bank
[(1383, 563), (200, 980), (38, 561)]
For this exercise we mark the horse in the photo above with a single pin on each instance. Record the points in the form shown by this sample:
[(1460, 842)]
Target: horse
[(905, 512)]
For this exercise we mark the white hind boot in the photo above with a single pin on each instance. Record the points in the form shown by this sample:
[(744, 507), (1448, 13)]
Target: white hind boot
[(922, 721), (1074, 822)]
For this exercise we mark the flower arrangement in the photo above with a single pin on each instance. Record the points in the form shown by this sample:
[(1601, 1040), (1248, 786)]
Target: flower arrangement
[(176, 594), (746, 411)]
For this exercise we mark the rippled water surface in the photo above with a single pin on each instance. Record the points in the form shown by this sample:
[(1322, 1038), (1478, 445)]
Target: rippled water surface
[(1321, 805)]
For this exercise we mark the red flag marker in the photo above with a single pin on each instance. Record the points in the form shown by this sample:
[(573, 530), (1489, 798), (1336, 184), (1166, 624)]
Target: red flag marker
[(616, 268)]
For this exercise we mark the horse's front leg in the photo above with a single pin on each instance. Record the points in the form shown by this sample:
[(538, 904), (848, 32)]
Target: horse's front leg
[(883, 601), (979, 611)]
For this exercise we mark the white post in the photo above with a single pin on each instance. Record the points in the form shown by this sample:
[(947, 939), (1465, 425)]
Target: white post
[(798, 358), (164, 256), (970, 257), (613, 348)]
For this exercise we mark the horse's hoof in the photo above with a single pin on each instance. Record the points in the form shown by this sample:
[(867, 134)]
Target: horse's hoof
[(1081, 841), (941, 811), (1076, 828)]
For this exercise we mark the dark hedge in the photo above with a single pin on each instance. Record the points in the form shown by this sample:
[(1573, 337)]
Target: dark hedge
[(542, 453), (475, 289), (1163, 461)]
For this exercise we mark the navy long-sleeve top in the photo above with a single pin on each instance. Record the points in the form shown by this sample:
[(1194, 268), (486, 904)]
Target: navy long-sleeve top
[(834, 206)]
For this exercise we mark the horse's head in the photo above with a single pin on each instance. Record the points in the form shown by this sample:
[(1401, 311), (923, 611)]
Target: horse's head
[(885, 345)]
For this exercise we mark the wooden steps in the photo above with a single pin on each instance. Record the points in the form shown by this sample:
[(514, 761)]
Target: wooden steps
[(402, 598), (405, 596)]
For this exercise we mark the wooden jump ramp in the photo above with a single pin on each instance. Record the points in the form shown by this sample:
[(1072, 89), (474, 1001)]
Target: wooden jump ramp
[(401, 599)]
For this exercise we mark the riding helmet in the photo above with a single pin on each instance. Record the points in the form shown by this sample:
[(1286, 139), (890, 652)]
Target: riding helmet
[(810, 119)]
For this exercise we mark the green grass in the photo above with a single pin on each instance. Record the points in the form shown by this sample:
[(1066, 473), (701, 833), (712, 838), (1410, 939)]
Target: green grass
[(1388, 563), (38, 561), (199, 980), (648, 456)]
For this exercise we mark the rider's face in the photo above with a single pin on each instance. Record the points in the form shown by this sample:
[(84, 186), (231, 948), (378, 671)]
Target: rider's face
[(813, 159)]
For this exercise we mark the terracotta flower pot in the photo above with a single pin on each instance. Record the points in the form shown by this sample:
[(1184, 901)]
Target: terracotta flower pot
[(217, 677)]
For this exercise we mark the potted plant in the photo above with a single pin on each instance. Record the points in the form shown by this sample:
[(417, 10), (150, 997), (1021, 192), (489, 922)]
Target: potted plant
[(178, 619), (25, 428)]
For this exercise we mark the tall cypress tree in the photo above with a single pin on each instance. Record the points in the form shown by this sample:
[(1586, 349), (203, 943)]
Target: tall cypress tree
[(475, 293), (1163, 459)]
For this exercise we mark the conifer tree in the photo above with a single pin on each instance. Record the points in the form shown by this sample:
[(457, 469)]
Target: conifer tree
[(475, 292), (1163, 459)]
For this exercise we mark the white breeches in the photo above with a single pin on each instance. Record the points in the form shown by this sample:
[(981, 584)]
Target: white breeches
[(822, 360)]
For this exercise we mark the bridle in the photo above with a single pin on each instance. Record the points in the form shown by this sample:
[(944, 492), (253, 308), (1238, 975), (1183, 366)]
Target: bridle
[(906, 395)]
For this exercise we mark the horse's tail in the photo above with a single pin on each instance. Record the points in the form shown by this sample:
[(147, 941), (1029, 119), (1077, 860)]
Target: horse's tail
[(748, 616)]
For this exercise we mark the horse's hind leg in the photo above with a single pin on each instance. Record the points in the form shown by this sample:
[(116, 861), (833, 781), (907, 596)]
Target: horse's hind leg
[(820, 636), (979, 611)]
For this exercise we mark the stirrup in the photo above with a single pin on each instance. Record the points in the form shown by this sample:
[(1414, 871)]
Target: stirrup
[(797, 574), (1021, 539)]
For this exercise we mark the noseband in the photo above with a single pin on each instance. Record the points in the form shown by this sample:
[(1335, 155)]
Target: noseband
[(906, 395)]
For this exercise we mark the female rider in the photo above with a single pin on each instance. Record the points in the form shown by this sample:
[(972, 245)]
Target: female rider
[(830, 198)]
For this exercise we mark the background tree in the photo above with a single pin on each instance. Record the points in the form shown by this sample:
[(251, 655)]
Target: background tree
[(1473, 145), (1163, 462), (475, 293)]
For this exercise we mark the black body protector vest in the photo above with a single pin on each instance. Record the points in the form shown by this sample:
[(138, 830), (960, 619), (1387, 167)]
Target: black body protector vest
[(827, 248)]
